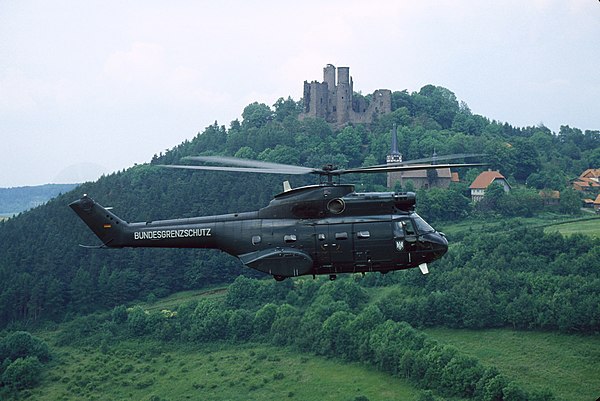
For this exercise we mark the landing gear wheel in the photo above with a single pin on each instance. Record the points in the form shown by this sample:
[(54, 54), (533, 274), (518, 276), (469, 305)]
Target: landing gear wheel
[(277, 277), (332, 277)]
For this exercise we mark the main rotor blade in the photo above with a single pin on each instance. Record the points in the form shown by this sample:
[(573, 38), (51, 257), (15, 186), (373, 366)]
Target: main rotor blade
[(257, 166), (251, 163), (393, 167), (239, 169)]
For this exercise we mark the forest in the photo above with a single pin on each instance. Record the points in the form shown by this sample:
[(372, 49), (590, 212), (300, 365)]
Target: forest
[(512, 275)]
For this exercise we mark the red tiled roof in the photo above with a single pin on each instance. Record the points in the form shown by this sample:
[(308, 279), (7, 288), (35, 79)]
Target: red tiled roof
[(484, 179), (591, 173), (586, 182)]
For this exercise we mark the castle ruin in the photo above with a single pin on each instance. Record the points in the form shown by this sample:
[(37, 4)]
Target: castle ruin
[(336, 103)]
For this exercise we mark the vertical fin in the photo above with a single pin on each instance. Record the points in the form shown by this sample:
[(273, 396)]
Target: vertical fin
[(105, 224)]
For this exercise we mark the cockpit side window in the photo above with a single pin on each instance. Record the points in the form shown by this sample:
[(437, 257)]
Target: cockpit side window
[(422, 225), (409, 228)]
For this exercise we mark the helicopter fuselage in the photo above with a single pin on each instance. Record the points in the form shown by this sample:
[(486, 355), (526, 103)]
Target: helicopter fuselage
[(318, 229)]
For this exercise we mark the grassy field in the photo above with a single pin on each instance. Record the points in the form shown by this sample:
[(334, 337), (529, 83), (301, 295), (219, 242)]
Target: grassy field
[(589, 227), (568, 365), (174, 300), (152, 371)]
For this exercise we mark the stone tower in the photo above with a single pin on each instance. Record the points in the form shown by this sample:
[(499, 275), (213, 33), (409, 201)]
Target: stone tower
[(333, 101)]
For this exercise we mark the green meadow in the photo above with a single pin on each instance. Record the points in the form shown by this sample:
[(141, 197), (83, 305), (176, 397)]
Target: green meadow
[(566, 364), (589, 227), (549, 222), (154, 371)]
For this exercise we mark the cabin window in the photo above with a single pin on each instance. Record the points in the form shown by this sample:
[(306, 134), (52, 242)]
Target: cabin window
[(343, 235), (363, 234), (403, 228), (289, 238), (256, 240)]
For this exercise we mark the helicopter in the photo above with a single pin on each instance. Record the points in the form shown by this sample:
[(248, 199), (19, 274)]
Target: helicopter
[(322, 229)]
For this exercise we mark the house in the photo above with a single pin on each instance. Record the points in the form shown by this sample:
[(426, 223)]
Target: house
[(549, 197), (588, 203), (483, 181), (597, 204), (589, 180), (438, 178)]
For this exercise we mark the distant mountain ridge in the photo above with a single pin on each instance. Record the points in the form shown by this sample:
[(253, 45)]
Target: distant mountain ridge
[(20, 199)]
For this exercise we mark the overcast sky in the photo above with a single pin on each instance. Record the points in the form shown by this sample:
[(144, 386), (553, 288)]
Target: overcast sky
[(95, 86)]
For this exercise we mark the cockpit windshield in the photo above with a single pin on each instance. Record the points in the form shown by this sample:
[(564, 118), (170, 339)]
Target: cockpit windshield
[(422, 226)]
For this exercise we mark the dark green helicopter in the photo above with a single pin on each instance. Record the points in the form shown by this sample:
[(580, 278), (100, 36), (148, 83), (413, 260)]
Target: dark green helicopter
[(317, 229)]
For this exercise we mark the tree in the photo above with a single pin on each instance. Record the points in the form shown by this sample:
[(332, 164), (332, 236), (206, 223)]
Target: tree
[(256, 115), (240, 324), (264, 318), (214, 138), (281, 154), (286, 108), (570, 201), (520, 202), (492, 198), (527, 159), (243, 293), (22, 373), (21, 344), (438, 102), (245, 152), (349, 143), (512, 392), (336, 334), (82, 290), (137, 321), (209, 321), (285, 326)]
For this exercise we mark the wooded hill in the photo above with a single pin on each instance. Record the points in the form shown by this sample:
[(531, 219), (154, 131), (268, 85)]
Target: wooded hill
[(45, 275), (19, 199)]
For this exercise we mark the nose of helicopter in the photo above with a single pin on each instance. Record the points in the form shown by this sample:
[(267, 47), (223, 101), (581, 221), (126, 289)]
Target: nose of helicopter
[(438, 243)]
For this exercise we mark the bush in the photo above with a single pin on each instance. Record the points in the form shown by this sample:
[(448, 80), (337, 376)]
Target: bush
[(21, 344), (22, 373)]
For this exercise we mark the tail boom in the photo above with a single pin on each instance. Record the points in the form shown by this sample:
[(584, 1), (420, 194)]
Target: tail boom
[(115, 232)]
